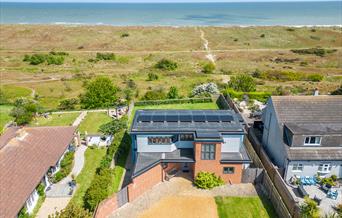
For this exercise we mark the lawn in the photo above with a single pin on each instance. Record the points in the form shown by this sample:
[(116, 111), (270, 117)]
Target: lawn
[(4, 115), (93, 158), (65, 119), (93, 121), (244, 207)]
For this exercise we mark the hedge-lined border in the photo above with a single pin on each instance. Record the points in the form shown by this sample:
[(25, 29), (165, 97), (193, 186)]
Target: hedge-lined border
[(174, 101)]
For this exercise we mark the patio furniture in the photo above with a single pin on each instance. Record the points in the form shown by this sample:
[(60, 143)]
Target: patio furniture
[(318, 200), (303, 181), (311, 180), (173, 172), (302, 191), (332, 194), (326, 187)]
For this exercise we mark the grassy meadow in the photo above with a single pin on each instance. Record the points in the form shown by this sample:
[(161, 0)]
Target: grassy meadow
[(93, 121), (237, 50)]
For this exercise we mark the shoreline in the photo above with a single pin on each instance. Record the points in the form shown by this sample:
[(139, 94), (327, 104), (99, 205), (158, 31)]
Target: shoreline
[(67, 24)]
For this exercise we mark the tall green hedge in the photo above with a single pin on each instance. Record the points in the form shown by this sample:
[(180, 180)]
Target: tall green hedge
[(174, 101), (260, 96)]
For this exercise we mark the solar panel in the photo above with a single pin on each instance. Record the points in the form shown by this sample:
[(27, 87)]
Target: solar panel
[(213, 118), (199, 118), (226, 118), (172, 118), (144, 118), (185, 118), (158, 118)]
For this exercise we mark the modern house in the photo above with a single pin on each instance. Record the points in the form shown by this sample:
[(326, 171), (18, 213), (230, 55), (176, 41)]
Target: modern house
[(189, 141), (28, 156), (303, 134)]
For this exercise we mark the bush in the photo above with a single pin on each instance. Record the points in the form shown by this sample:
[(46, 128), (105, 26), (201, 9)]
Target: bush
[(113, 126), (205, 90), (315, 77), (40, 189), (23, 213), (165, 64), (205, 180), (124, 35), (23, 111), (105, 56), (339, 210), (173, 93), (334, 178), (321, 52), (260, 96), (309, 209), (56, 60), (35, 59), (68, 104), (72, 210), (152, 76), (262, 36), (209, 68), (242, 82), (154, 95), (66, 167)]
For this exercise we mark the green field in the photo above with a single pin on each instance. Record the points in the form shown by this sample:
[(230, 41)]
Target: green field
[(93, 158), (93, 121), (244, 207), (4, 115), (65, 119), (13, 92)]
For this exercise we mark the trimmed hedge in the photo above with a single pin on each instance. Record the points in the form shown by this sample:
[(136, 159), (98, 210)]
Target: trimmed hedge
[(206, 180), (260, 96), (174, 101)]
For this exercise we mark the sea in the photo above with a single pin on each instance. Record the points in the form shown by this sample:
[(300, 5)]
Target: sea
[(327, 13)]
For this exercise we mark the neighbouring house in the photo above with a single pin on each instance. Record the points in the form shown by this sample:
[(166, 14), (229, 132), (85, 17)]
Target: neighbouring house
[(99, 140), (165, 142), (28, 156), (303, 135)]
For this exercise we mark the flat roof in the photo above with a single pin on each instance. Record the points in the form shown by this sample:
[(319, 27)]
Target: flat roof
[(203, 121)]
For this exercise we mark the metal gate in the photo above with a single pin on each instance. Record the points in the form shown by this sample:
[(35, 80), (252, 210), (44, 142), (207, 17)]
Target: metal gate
[(122, 196)]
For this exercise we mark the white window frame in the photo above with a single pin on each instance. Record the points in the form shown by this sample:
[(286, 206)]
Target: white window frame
[(324, 168), (297, 167), (317, 139)]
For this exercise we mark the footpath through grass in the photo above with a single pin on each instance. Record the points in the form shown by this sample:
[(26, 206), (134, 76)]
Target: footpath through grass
[(4, 115), (244, 207), (65, 119), (93, 159), (93, 121)]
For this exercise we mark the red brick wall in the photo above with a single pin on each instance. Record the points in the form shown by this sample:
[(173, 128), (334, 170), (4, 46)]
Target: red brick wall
[(215, 166), (107, 207), (144, 182)]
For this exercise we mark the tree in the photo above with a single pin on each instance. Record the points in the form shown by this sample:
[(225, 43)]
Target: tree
[(173, 93), (209, 68), (309, 209), (23, 111), (72, 210), (243, 83), (99, 93), (165, 64), (113, 126), (68, 104)]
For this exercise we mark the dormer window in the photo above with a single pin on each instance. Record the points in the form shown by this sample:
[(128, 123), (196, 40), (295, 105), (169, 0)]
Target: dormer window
[(312, 140)]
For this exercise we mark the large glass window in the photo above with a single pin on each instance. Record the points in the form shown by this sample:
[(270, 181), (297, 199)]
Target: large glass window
[(208, 152), (324, 168), (186, 137), (297, 167), (161, 140), (312, 140)]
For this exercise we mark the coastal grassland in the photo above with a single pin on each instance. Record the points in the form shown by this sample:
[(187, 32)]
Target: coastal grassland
[(5, 115), (264, 48), (275, 37), (236, 207), (93, 159), (93, 121), (65, 119)]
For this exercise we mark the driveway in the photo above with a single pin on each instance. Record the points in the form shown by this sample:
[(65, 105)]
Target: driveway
[(178, 197)]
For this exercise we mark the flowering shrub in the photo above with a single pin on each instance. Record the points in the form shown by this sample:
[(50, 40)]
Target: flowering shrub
[(205, 89)]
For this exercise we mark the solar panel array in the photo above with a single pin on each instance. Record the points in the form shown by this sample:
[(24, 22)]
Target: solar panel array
[(185, 116)]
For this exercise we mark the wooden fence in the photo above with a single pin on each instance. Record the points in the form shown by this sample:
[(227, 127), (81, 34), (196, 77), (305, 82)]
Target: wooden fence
[(284, 202)]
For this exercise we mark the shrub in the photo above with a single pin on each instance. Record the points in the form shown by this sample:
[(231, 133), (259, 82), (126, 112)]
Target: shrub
[(260, 96), (72, 210), (334, 178), (152, 76), (105, 56), (321, 52), (205, 180), (124, 35), (174, 101), (290, 29), (165, 64), (242, 82), (35, 59), (68, 104), (113, 126), (339, 209), (209, 68), (154, 95), (328, 181), (23, 213), (66, 167), (315, 77), (309, 209), (205, 89), (55, 59), (173, 93), (24, 111), (262, 36), (40, 189)]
